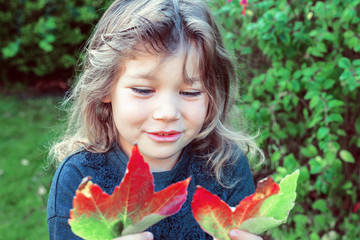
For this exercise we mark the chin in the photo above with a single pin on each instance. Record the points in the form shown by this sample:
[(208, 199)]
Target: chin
[(159, 156)]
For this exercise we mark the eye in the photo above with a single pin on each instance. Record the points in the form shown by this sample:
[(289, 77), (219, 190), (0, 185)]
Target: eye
[(192, 93), (143, 91)]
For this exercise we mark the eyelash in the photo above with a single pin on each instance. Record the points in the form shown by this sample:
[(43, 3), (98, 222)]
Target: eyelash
[(190, 94), (142, 91), (150, 91)]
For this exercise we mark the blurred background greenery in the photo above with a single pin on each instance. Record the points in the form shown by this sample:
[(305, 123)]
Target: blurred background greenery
[(299, 62)]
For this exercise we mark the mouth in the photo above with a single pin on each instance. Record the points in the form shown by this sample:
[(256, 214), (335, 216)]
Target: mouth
[(164, 136), (165, 133)]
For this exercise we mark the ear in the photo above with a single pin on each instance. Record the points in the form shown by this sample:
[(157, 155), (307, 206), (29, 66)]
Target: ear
[(107, 99)]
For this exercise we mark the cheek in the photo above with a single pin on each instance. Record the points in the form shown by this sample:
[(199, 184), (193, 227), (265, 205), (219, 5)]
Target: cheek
[(204, 108), (128, 111), (197, 113)]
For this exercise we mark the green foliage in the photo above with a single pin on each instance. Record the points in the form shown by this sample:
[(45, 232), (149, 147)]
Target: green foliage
[(25, 126), (302, 62), (303, 90), (43, 37)]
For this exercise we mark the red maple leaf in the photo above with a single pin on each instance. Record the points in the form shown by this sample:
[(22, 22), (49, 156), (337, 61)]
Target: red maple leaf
[(132, 208)]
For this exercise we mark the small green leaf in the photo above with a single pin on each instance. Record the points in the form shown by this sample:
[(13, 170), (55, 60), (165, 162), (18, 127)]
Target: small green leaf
[(316, 165), (304, 174), (275, 157), (309, 151), (290, 162), (347, 156), (329, 83), (45, 46), (314, 236), (334, 117), (321, 47), (320, 221), (50, 23), (300, 220), (11, 49), (322, 133), (346, 76), (315, 52), (314, 121), (50, 38), (344, 63), (335, 103), (347, 185), (310, 94), (320, 205), (295, 85), (314, 33), (314, 101), (356, 62)]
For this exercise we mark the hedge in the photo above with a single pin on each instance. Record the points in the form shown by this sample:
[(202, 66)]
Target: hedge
[(44, 37), (301, 62)]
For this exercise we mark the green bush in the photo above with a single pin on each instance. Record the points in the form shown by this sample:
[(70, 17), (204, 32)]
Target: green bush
[(302, 62), (44, 37)]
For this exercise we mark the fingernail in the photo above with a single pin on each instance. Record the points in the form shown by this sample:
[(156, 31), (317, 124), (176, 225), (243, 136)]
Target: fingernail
[(149, 236), (232, 233)]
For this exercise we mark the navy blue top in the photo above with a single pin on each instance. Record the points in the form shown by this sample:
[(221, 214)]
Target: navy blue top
[(107, 170)]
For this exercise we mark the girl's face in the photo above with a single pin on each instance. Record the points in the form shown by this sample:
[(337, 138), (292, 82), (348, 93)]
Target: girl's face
[(154, 107)]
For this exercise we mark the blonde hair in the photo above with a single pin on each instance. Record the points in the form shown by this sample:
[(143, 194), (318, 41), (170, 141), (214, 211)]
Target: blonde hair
[(162, 26)]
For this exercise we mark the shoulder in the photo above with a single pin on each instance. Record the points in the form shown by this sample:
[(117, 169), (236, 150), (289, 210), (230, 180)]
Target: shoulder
[(238, 173), (237, 168), (101, 167), (67, 178), (77, 166)]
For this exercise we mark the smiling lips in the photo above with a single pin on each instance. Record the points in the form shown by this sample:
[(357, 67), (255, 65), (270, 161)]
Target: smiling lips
[(164, 136)]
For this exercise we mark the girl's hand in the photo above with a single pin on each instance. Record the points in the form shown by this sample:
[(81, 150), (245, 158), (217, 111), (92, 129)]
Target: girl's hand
[(236, 234), (139, 236)]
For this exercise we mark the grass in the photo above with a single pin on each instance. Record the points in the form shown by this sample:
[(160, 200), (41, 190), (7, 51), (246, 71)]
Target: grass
[(26, 130)]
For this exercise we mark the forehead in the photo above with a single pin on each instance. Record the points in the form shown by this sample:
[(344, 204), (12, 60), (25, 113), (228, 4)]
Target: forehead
[(184, 62)]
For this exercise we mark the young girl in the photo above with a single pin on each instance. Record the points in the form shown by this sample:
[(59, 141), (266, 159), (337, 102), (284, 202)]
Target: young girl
[(155, 73)]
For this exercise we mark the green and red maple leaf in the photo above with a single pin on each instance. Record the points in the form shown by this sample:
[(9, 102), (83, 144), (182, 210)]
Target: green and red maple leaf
[(268, 207), (134, 206)]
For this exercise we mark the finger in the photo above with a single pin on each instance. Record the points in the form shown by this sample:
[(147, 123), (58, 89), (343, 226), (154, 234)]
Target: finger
[(139, 236), (237, 234)]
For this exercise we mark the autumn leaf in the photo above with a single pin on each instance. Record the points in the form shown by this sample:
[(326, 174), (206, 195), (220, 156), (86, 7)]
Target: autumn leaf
[(250, 205), (213, 215), (132, 208), (268, 207)]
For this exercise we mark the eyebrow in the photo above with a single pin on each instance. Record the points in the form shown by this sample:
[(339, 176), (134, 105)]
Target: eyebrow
[(150, 75), (143, 75)]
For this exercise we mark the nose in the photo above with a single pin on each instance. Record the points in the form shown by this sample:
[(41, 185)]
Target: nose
[(167, 108)]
